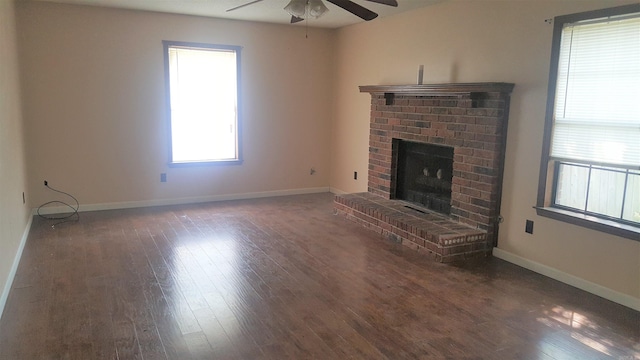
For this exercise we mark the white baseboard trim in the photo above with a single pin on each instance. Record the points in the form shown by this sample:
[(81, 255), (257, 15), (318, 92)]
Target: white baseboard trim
[(14, 267), (582, 284), (180, 201), (336, 191)]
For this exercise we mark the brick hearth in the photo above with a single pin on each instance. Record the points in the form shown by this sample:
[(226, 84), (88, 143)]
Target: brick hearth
[(470, 118)]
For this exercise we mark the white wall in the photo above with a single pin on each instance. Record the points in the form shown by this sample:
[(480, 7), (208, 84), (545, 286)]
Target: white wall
[(95, 106), (477, 41), (13, 214)]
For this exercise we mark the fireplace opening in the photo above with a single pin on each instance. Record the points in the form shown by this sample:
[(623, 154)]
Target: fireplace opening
[(424, 174)]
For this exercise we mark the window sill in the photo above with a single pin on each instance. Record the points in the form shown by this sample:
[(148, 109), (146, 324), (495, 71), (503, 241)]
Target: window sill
[(591, 222), (205, 163)]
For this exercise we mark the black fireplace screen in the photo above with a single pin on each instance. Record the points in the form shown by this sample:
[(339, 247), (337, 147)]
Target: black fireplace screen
[(424, 173)]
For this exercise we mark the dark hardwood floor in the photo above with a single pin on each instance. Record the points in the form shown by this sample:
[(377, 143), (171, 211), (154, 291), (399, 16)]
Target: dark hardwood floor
[(283, 278)]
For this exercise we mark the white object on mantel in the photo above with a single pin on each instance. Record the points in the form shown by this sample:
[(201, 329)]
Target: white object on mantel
[(420, 73)]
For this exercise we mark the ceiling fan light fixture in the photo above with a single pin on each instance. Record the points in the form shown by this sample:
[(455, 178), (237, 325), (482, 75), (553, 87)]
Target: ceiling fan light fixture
[(316, 8), (297, 8), (304, 9)]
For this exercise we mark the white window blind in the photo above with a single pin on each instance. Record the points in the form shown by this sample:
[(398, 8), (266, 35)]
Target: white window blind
[(597, 104), (203, 86)]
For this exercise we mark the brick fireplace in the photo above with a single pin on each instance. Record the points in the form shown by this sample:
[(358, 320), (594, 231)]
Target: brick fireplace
[(471, 119)]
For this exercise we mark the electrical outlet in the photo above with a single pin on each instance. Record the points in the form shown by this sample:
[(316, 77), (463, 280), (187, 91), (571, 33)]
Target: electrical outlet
[(355, 175), (528, 228), (46, 183), (163, 177)]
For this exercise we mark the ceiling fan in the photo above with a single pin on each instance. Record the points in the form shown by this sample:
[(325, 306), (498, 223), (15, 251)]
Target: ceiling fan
[(304, 9)]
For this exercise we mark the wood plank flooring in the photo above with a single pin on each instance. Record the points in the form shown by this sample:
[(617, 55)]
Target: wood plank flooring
[(283, 278)]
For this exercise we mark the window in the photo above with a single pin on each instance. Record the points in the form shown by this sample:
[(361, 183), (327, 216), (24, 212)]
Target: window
[(202, 102), (590, 171)]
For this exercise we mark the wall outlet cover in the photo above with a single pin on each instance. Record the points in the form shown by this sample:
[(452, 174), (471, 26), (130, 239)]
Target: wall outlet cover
[(528, 228)]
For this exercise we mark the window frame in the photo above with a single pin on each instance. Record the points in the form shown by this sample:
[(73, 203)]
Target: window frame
[(166, 44), (546, 183)]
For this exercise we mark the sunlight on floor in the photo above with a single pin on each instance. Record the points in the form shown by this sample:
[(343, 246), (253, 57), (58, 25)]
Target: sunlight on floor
[(583, 330), (216, 258)]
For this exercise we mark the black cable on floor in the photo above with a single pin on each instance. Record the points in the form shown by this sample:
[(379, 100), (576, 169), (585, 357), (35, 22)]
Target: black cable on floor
[(63, 219)]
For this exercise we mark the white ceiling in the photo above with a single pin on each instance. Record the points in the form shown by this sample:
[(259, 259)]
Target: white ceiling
[(271, 11)]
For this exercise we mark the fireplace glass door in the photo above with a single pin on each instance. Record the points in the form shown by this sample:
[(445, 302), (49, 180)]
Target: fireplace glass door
[(424, 173)]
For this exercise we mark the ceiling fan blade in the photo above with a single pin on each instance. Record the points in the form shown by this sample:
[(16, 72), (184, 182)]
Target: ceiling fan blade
[(393, 3), (295, 19), (243, 5), (355, 9)]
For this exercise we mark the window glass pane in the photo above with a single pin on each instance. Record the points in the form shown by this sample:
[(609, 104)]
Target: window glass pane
[(571, 190), (203, 92), (632, 199), (606, 189)]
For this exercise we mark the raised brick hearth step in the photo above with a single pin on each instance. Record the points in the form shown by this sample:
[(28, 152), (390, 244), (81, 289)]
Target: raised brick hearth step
[(423, 230)]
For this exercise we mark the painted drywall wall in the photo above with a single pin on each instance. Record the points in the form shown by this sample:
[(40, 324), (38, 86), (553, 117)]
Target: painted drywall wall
[(95, 105), (476, 41), (13, 213)]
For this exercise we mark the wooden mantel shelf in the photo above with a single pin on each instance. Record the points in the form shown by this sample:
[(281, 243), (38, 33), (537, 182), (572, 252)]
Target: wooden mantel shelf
[(439, 89)]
